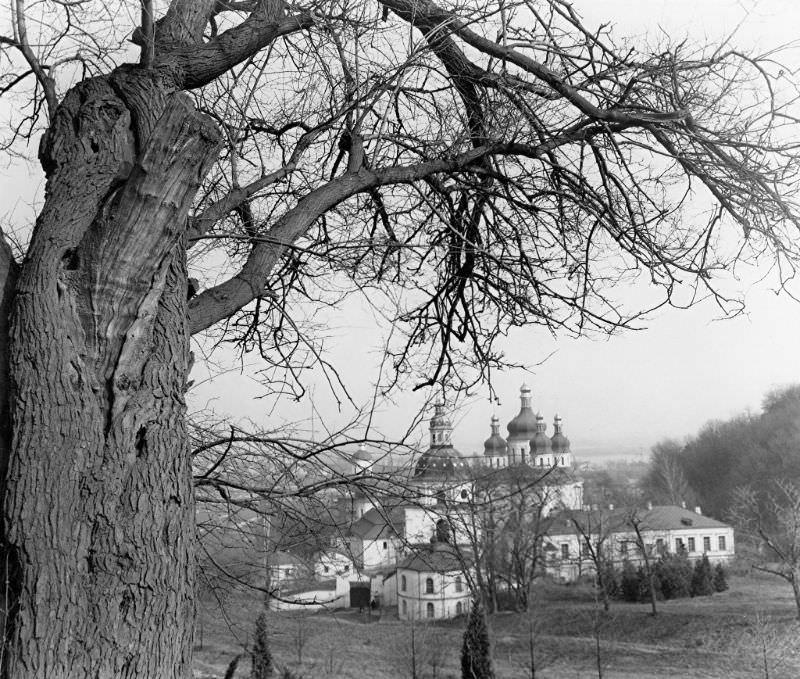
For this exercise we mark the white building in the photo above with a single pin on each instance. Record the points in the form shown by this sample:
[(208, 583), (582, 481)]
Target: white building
[(664, 529), (431, 584)]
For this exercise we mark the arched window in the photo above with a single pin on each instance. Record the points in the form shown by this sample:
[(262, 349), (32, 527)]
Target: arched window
[(459, 608), (459, 584), (429, 610), (403, 584), (429, 587), (405, 607)]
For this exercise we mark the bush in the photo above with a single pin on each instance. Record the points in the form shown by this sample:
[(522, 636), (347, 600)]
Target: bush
[(629, 583), (702, 581), (720, 579), (610, 579)]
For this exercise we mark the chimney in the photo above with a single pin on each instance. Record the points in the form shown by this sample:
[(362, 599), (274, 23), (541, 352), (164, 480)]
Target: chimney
[(697, 510), (649, 505)]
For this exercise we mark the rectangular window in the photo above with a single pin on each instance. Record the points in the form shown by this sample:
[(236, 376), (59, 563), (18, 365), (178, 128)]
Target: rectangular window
[(722, 547), (623, 548), (659, 545), (678, 545), (385, 545), (706, 544), (691, 544), (584, 550), (565, 551)]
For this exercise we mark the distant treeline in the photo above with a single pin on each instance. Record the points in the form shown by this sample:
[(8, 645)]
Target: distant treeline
[(749, 449)]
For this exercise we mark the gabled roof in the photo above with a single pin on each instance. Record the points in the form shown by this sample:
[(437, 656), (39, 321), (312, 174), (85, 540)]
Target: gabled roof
[(376, 524)]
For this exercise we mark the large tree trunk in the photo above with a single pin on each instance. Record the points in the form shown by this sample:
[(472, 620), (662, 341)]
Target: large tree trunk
[(99, 510)]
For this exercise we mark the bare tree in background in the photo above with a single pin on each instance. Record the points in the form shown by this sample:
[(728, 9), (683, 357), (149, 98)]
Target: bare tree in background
[(594, 531), (666, 481), (469, 168), (771, 522)]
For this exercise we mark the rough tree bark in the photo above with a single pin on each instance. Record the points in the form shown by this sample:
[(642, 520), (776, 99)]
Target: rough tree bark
[(99, 503)]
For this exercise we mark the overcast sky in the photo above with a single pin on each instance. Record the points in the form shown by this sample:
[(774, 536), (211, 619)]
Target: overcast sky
[(618, 395)]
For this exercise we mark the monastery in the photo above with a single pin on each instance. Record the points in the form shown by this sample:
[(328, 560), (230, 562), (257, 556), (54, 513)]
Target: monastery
[(416, 547)]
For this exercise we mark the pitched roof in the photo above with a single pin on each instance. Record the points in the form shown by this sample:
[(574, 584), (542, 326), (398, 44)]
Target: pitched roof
[(376, 524), (658, 518), (438, 557)]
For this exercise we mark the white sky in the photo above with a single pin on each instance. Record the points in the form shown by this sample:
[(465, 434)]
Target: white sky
[(616, 396)]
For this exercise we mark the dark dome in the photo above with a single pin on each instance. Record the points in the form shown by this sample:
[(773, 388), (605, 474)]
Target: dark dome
[(559, 443), (495, 444), (540, 443), (523, 426), (440, 462)]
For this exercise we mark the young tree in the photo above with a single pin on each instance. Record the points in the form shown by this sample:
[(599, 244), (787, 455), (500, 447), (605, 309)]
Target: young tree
[(284, 152), (594, 530), (720, 580), (476, 658), (702, 578)]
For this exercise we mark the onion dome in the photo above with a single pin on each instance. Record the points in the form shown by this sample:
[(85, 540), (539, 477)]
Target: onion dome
[(523, 426), (495, 445), (559, 442), (540, 443)]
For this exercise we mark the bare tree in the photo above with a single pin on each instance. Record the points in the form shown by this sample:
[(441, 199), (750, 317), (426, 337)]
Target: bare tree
[(594, 530), (288, 154), (771, 521)]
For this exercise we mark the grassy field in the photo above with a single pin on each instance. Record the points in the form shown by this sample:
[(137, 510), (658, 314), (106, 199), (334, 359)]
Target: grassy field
[(728, 635)]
